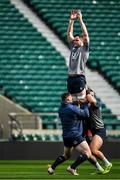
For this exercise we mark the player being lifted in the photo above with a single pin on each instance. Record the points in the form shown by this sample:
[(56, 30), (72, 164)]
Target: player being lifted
[(79, 44)]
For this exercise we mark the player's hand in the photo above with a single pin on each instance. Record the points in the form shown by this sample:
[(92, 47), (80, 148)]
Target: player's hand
[(81, 101), (79, 14), (73, 15)]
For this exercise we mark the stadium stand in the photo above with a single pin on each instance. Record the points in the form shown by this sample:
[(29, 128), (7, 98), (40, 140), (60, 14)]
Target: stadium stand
[(105, 52), (33, 74)]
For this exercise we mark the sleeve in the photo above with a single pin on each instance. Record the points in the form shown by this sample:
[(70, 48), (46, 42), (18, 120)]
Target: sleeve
[(87, 46), (82, 112), (98, 103), (71, 45)]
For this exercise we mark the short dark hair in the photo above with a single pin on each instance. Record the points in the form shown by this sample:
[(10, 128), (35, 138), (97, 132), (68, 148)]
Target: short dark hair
[(64, 96), (78, 35), (89, 90)]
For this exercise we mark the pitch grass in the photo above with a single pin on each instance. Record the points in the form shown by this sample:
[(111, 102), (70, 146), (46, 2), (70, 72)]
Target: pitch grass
[(33, 170)]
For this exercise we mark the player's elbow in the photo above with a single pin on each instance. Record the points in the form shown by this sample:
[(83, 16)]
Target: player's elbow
[(70, 37), (85, 38)]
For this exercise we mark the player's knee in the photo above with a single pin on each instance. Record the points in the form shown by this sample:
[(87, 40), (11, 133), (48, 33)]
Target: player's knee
[(94, 151), (88, 153)]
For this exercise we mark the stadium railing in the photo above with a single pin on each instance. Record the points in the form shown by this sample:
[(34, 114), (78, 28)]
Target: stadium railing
[(50, 129)]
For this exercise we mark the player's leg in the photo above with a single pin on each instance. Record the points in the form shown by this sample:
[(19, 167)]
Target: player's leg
[(81, 95), (77, 85), (85, 152), (88, 136), (92, 159), (84, 149), (67, 152), (60, 159), (95, 145)]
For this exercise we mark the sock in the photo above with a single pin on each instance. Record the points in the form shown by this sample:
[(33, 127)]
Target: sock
[(95, 163), (106, 162), (59, 160), (98, 166), (80, 159)]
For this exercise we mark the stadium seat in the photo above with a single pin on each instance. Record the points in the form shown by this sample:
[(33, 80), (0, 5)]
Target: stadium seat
[(37, 137)]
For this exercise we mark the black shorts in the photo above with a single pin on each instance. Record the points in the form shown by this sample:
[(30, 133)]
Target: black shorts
[(72, 142), (100, 132), (76, 84)]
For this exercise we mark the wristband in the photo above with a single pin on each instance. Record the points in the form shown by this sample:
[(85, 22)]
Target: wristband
[(71, 20)]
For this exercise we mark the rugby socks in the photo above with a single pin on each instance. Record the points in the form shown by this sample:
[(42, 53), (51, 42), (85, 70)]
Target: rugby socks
[(79, 161), (92, 161), (106, 162), (95, 163), (59, 160)]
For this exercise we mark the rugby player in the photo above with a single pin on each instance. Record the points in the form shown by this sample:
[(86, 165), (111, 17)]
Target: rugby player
[(97, 128), (79, 46)]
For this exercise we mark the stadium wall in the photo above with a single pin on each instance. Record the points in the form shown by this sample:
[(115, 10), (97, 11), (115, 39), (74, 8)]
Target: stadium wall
[(47, 150), (7, 106)]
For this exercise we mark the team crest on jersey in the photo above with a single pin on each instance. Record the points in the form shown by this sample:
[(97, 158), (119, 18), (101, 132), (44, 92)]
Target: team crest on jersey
[(74, 55)]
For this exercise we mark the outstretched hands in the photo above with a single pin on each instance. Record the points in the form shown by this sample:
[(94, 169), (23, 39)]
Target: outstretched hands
[(79, 14), (75, 14)]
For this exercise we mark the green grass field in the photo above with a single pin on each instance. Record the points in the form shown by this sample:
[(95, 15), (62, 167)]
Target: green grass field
[(17, 170)]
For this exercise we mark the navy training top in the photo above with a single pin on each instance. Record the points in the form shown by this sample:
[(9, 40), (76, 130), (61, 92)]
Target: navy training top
[(71, 117)]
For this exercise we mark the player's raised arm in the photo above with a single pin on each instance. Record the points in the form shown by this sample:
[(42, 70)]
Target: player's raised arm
[(73, 16), (83, 27)]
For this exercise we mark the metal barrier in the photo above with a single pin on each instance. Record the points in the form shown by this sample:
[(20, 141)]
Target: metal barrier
[(48, 120), (40, 121)]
